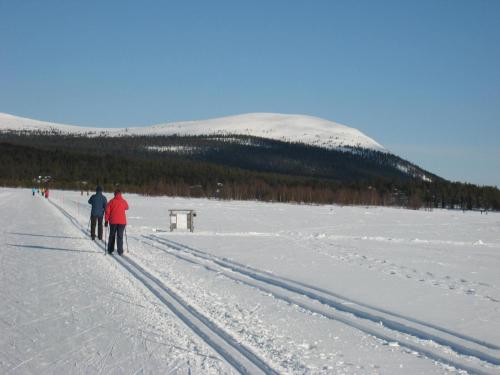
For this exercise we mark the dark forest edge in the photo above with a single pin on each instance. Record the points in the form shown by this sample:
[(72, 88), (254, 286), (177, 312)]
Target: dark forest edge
[(233, 167)]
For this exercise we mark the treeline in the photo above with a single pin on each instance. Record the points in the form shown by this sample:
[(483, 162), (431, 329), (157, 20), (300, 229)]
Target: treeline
[(221, 172), (243, 152)]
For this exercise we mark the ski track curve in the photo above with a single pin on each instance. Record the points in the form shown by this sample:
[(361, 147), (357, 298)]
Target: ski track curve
[(290, 283), (241, 358), (353, 311)]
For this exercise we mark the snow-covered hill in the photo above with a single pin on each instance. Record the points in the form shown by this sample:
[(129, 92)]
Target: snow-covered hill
[(292, 128), (15, 123)]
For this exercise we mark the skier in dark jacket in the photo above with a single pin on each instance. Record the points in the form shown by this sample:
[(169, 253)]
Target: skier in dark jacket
[(98, 202)]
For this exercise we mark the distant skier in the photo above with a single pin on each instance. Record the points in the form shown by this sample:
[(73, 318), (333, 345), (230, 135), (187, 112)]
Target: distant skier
[(46, 192), (98, 202), (33, 191), (115, 216)]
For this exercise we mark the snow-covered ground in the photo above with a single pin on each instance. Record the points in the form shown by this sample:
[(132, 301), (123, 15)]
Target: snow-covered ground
[(258, 287)]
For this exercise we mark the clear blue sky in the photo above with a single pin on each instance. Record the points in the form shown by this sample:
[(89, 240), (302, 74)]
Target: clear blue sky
[(421, 77)]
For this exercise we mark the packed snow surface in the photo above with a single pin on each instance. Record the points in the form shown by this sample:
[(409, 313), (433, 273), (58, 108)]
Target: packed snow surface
[(290, 128), (257, 287)]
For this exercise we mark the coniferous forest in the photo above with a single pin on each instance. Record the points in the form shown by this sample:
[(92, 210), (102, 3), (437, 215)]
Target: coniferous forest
[(231, 167)]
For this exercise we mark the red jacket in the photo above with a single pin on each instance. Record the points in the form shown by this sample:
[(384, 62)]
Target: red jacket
[(115, 210)]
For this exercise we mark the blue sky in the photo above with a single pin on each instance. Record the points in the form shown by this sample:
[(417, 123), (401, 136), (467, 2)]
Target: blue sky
[(420, 77)]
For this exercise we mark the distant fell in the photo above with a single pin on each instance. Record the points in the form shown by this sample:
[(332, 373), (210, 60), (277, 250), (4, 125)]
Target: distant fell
[(304, 129)]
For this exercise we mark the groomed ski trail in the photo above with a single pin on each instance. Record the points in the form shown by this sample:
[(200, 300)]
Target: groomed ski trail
[(366, 319), (67, 310), (413, 334), (237, 355), (340, 302)]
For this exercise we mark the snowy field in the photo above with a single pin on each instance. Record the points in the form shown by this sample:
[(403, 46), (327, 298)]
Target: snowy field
[(257, 288)]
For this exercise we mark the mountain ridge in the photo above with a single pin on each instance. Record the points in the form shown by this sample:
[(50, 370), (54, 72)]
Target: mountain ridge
[(304, 129), (224, 166)]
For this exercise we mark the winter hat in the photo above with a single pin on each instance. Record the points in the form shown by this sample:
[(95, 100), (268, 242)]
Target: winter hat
[(98, 189)]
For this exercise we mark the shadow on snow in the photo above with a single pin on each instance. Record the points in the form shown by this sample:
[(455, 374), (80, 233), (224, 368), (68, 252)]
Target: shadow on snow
[(54, 248), (46, 235)]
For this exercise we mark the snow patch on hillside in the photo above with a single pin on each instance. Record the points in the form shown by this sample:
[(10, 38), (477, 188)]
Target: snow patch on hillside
[(176, 149), (412, 171)]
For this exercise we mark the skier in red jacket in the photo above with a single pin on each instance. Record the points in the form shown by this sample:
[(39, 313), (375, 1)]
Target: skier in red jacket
[(115, 216)]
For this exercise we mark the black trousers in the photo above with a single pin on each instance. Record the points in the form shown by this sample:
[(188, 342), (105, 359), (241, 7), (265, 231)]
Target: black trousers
[(116, 230), (93, 221)]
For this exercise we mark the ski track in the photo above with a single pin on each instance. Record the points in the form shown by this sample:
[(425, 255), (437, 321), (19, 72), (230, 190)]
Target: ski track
[(351, 313), (461, 344), (349, 255), (236, 354), (302, 288), (63, 338)]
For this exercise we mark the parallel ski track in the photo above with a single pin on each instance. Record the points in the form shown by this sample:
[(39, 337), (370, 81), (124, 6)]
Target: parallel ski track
[(366, 318), (305, 289), (237, 355)]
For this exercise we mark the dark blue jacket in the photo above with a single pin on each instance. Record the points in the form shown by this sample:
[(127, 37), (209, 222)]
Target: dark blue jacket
[(98, 202)]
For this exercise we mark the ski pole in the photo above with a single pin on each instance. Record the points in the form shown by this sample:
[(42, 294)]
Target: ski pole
[(88, 225), (126, 238), (106, 241)]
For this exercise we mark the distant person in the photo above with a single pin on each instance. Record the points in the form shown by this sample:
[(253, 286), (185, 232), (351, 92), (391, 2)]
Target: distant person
[(46, 192), (98, 202), (33, 191), (115, 216)]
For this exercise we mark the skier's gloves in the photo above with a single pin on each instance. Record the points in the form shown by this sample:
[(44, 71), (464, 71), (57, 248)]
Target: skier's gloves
[(105, 223)]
